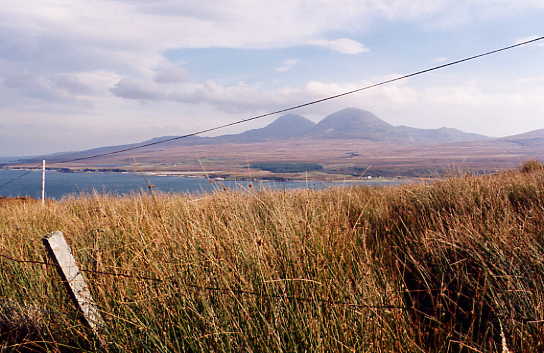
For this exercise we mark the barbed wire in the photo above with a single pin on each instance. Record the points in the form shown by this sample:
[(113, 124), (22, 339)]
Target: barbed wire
[(215, 289), (234, 291)]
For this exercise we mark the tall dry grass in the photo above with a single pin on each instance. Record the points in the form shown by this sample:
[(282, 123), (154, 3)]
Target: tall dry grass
[(464, 257)]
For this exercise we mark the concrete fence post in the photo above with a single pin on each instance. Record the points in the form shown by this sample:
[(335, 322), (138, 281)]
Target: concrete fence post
[(61, 254)]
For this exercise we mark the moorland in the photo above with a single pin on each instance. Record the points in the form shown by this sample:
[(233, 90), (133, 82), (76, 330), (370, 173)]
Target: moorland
[(452, 266), (348, 144)]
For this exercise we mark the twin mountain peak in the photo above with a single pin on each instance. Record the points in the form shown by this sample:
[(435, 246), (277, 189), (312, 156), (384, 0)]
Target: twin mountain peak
[(349, 123)]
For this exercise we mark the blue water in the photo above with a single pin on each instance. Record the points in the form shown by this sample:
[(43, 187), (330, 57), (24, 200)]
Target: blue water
[(60, 184)]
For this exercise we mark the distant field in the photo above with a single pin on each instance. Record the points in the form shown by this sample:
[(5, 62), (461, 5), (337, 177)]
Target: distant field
[(454, 266), (286, 167), (340, 158)]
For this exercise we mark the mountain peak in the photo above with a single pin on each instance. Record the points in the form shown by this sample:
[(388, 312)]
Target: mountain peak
[(291, 121), (286, 126), (348, 123), (352, 122)]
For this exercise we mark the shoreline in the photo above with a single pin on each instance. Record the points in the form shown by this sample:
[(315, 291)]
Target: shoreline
[(218, 176)]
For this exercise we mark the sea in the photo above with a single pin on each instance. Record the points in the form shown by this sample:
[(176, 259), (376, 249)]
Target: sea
[(61, 184)]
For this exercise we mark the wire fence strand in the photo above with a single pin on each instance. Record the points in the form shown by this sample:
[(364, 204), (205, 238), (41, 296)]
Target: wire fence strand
[(223, 290), (233, 291)]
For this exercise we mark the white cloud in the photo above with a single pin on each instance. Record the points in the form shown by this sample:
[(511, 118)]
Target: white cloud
[(341, 45), (169, 73), (134, 89), (235, 98), (465, 104), (187, 106), (287, 65), (539, 43), (80, 57), (469, 105), (440, 60), (129, 36)]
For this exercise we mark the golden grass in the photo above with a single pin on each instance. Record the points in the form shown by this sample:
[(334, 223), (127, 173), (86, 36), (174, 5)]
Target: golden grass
[(464, 256)]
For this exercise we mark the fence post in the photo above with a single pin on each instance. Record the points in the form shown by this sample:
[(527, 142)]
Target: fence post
[(43, 182), (61, 254)]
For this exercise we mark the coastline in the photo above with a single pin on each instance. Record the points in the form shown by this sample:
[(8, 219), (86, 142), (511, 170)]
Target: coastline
[(219, 175)]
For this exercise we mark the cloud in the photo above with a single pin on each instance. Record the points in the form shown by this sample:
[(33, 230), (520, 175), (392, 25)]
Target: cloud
[(465, 104), (62, 93), (287, 65), (440, 60), (469, 105), (341, 45), (169, 73), (539, 43), (96, 61), (129, 36), (52, 87), (133, 89), (234, 98), (188, 106)]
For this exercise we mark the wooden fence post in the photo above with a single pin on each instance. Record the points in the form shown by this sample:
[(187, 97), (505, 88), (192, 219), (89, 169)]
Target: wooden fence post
[(60, 252)]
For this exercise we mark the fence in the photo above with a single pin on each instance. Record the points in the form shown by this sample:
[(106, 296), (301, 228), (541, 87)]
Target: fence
[(61, 258)]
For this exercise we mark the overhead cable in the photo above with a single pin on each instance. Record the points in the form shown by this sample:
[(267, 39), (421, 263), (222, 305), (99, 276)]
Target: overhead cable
[(284, 110)]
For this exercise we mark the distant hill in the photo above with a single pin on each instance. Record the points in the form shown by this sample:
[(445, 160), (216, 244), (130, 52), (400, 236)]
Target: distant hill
[(284, 127), (348, 143), (61, 156), (8, 159), (349, 123), (530, 139), (436, 136), (352, 123), (361, 124)]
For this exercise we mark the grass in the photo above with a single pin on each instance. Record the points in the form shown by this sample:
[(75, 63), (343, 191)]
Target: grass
[(462, 258)]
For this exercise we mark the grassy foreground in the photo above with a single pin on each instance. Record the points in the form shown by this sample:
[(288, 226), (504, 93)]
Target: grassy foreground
[(453, 266)]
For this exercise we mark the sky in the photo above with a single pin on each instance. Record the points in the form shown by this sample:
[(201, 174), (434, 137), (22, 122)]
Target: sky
[(77, 74)]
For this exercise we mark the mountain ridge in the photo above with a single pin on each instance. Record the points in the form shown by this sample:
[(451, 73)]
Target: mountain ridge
[(346, 124), (358, 123), (349, 123)]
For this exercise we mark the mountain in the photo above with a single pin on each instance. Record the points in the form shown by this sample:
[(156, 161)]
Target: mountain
[(530, 139), (346, 124), (8, 159), (435, 136), (284, 127), (352, 123), (361, 124)]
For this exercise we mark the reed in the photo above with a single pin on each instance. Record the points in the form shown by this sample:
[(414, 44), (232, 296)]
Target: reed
[(453, 266)]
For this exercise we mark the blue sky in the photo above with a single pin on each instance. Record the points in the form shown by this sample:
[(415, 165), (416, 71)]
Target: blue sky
[(396, 47), (78, 74)]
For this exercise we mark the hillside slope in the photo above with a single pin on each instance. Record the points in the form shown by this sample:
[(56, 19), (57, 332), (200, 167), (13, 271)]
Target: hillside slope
[(346, 124), (355, 123), (532, 138)]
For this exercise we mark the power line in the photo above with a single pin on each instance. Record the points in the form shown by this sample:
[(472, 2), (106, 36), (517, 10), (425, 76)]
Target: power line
[(12, 180), (304, 104), (292, 107)]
